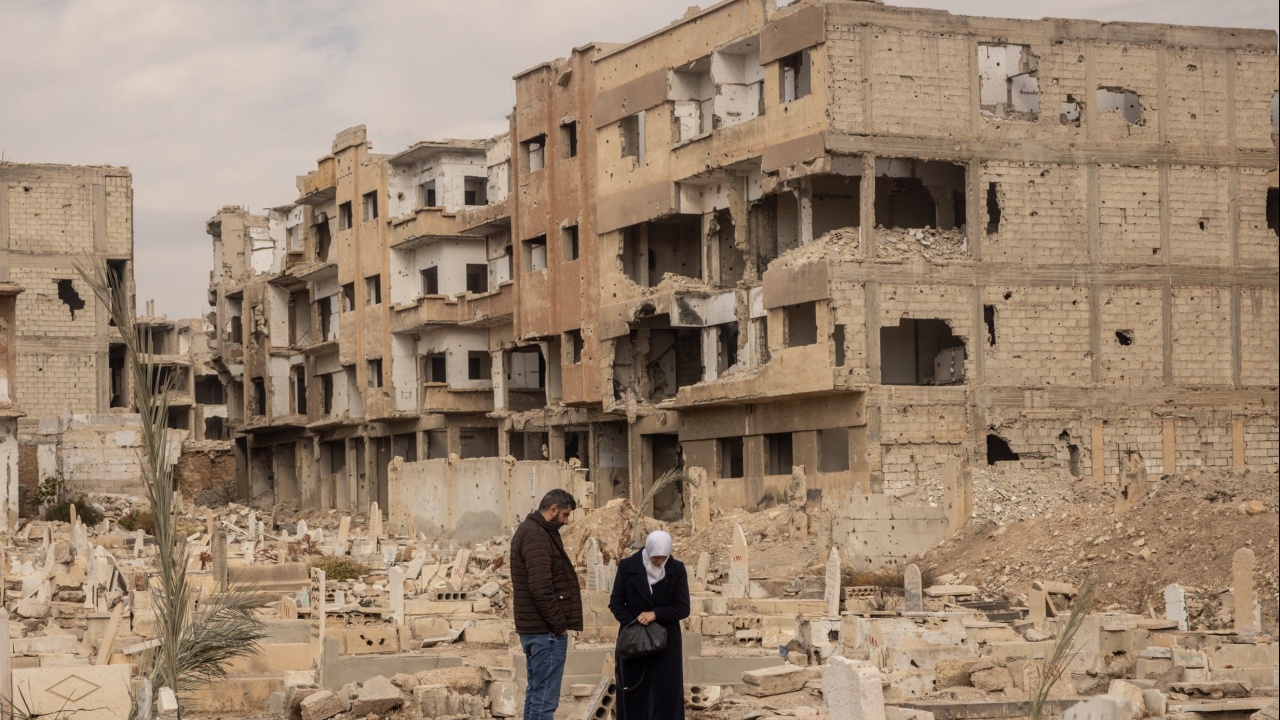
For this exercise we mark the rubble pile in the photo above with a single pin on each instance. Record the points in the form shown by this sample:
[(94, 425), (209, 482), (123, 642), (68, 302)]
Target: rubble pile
[(928, 243)]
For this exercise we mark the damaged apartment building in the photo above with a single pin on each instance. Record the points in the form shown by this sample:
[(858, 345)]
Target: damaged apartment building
[(871, 241)]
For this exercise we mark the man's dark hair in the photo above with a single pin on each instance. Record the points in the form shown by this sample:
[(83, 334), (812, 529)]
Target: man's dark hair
[(558, 497)]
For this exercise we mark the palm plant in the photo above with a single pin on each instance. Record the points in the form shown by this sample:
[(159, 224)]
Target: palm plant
[(1057, 663), (195, 642)]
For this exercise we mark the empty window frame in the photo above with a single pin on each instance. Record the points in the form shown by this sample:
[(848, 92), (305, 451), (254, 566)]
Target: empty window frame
[(298, 378), (348, 297), (326, 393), (1273, 210), (475, 191), (573, 347), (258, 401), (1121, 101), (1008, 83), (921, 352), (431, 280), (535, 253), (801, 324), (833, 450), (369, 206), (569, 139), (427, 194), (914, 194), (373, 373), (729, 454), (373, 290), (777, 454), (671, 245), (435, 368), (795, 76), (324, 238), (569, 242), (477, 278), (344, 216), (633, 137), (479, 365), (693, 93), (533, 153)]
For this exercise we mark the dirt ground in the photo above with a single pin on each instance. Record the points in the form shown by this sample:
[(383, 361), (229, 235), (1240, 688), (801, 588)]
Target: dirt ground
[(1185, 531)]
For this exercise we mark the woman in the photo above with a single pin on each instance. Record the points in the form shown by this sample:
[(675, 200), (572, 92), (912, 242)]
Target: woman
[(651, 586)]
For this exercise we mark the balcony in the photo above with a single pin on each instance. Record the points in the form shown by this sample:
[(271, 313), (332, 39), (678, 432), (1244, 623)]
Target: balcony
[(440, 398), (483, 310), (320, 185)]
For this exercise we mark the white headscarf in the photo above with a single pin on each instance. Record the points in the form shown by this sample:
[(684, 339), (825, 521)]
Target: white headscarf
[(658, 544)]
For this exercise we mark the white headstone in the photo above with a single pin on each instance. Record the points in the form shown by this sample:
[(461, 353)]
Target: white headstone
[(832, 594), (1175, 605), (853, 690), (739, 571), (911, 587), (395, 578)]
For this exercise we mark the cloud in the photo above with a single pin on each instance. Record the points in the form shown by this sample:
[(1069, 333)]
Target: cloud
[(214, 103)]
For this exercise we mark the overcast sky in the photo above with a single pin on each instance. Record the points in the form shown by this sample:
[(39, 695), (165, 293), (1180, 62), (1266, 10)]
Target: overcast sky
[(224, 102)]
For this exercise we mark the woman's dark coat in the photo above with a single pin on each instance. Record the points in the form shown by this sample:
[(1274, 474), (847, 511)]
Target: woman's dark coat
[(660, 689)]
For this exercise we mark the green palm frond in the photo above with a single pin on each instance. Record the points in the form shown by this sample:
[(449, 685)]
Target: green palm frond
[(1056, 665)]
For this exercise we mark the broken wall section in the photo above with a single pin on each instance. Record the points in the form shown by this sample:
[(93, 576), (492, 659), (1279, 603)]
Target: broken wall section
[(95, 453), (474, 499)]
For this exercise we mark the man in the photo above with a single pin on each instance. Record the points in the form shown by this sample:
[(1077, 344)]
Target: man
[(546, 600)]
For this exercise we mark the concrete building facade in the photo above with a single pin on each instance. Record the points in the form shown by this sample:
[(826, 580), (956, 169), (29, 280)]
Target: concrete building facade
[(874, 242), (53, 217)]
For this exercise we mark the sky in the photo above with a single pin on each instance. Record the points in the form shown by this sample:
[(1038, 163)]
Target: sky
[(224, 102)]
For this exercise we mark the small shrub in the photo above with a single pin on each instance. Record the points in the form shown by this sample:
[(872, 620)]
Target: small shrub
[(339, 568), (87, 513), (138, 520)]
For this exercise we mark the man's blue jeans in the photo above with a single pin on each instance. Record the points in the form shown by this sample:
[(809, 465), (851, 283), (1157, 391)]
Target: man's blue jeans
[(544, 664)]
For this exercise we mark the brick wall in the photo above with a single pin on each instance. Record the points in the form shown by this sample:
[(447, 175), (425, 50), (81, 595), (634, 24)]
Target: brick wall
[(1199, 223), (1201, 336), (1259, 336), (1138, 313), (1129, 214), (1257, 242), (1042, 336), (918, 81), (1262, 443), (1203, 439), (1043, 213), (51, 217), (1141, 432), (52, 384), (847, 77)]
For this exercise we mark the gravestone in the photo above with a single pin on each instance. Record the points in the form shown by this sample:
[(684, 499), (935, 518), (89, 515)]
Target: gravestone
[(218, 548), (832, 595), (911, 587), (1242, 589), (375, 522), (853, 690), (1037, 604), (395, 578), (1175, 605), (739, 572)]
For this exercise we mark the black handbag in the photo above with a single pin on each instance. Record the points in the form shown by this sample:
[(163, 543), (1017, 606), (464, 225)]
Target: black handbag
[(641, 641)]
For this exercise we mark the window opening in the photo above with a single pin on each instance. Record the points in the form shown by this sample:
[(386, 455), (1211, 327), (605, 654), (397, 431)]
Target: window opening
[(369, 206), (801, 324), (633, 137), (344, 216), (431, 281), (989, 319), (533, 153), (373, 373), (474, 191), (795, 79), (573, 343), (921, 352), (373, 290), (833, 450), (258, 403), (569, 242), (435, 366), (731, 465), (477, 278), (837, 342), (478, 365), (427, 194), (777, 454), (569, 139), (535, 253)]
